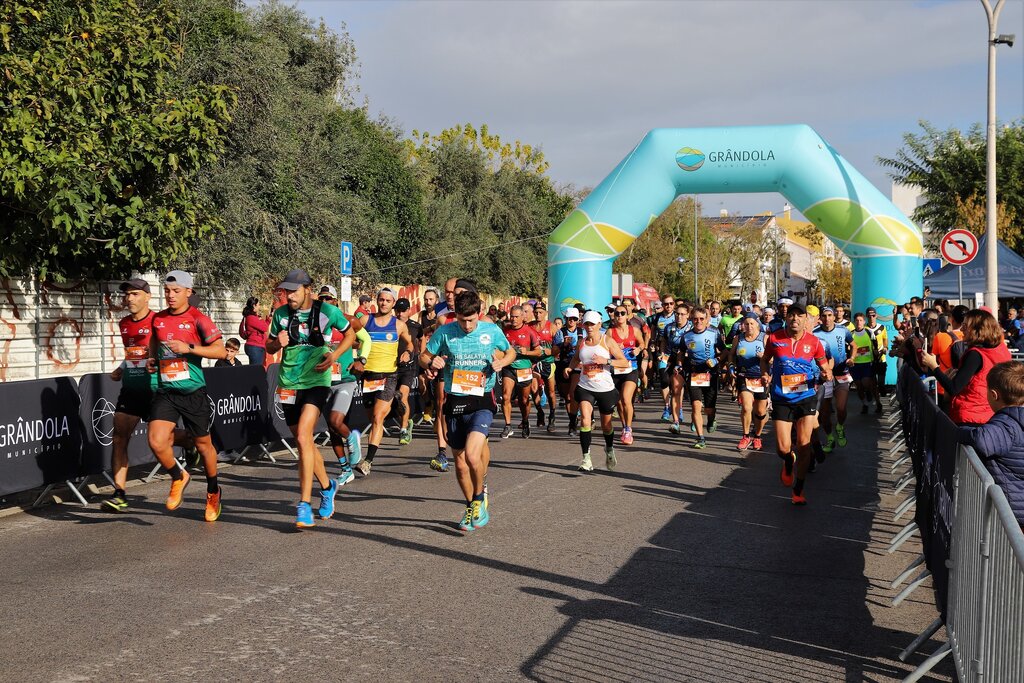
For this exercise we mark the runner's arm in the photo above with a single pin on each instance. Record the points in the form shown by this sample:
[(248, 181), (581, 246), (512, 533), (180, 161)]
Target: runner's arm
[(619, 359), (405, 340)]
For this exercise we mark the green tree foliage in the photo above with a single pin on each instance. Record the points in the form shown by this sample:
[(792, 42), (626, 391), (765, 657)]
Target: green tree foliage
[(100, 142), (949, 166)]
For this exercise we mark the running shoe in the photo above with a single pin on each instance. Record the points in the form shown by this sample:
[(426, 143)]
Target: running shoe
[(693, 427), (404, 438), (674, 428), (346, 476), (756, 445), (573, 432), (700, 443), (744, 443), (786, 475), (480, 514), (551, 425), (304, 516), (799, 499), (428, 418), (177, 490), (326, 510), (506, 432), (682, 415), (116, 503), (609, 458), (667, 415), (830, 444), (355, 447), (213, 506), (713, 426), (540, 417), (192, 457), (841, 435), (524, 430), (439, 463), (364, 467), (586, 465), (467, 519), (627, 436)]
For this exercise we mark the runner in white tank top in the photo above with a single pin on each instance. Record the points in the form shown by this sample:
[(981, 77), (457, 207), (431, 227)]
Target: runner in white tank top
[(595, 356)]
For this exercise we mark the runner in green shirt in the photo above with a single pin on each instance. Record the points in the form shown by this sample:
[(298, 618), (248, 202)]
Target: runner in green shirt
[(303, 329)]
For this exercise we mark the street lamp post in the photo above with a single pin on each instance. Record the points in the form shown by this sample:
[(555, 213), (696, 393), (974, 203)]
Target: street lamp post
[(992, 243)]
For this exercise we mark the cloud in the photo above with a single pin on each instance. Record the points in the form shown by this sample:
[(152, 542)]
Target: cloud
[(585, 80)]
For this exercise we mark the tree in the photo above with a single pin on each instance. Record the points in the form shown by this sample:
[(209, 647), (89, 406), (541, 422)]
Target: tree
[(834, 280), (100, 142), (950, 168)]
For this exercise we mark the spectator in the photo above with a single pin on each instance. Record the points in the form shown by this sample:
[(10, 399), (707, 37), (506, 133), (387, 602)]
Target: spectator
[(502, 313), (493, 312), (1000, 442), (363, 310), (968, 389), (1012, 326), (231, 348), (922, 338), (253, 330)]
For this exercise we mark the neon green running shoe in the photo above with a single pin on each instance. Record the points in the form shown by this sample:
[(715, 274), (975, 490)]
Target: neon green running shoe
[(840, 435)]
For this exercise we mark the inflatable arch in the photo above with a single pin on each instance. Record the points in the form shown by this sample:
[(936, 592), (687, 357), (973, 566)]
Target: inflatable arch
[(884, 246)]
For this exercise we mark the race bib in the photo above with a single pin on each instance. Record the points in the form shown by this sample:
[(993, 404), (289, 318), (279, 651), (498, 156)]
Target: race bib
[(844, 379), (304, 329), (336, 372), (592, 369), (794, 384), (174, 370), (286, 396), (863, 351), (468, 382), (136, 356), (623, 371), (524, 375), (700, 379), (755, 383), (372, 385)]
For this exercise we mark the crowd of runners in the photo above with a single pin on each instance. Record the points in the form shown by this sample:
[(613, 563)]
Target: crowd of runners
[(567, 374)]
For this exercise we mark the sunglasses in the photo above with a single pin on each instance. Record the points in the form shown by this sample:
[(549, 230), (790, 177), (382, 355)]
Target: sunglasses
[(620, 314)]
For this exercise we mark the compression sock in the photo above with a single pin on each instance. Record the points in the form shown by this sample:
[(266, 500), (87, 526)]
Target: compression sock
[(585, 437), (609, 439), (174, 471), (479, 497), (798, 487), (371, 451), (119, 493), (572, 421), (211, 484), (790, 461)]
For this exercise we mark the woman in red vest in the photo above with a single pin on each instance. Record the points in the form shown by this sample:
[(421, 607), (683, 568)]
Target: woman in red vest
[(968, 387)]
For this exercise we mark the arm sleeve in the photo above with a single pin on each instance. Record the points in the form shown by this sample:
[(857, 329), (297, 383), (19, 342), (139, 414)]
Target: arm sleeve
[(969, 367), (365, 342)]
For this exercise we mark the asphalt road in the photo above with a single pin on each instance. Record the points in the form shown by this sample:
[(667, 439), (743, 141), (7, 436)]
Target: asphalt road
[(683, 565)]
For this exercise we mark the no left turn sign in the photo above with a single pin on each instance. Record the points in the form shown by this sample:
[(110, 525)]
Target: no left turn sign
[(959, 247)]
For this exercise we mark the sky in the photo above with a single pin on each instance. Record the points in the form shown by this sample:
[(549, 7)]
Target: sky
[(584, 80)]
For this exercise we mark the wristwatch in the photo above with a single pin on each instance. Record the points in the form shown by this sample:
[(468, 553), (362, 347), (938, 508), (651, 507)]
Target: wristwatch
[(191, 347), (361, 359)]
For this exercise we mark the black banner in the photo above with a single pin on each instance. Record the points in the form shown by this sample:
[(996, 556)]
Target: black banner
[(40, 439), (238, 397), (99, 400)]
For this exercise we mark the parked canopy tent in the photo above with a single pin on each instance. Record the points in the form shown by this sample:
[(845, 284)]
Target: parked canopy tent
[(943, 283)]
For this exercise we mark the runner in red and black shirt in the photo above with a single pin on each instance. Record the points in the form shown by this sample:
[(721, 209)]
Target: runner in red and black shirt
[(518, 377), (631, 340), (544, 369), (182, 337)]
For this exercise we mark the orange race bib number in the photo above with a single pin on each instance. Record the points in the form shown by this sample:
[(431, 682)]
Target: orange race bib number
[(174, 370), (844, 379), (286, 396), (700, 379), (794, 384), (136, 356), (372, 385), (468, 382), (524, 375), (755, 383), (592, 369), (335, 372), (622, 371)]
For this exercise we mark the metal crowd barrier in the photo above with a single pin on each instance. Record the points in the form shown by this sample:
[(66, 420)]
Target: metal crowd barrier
[(985, 604)]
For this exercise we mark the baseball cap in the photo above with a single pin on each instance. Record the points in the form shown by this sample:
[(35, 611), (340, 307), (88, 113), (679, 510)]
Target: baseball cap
[(655, 305), (871, 309), (294, 279), (572, 313), (542, 305), (785, 301), (402, 305), (592, 317), (796, 309), (467, 285), (828, 309), (748, 308), (751, 314), (390, 292), (328, 289), (365, 298), (813, 310), (136, 283), (179, 277)]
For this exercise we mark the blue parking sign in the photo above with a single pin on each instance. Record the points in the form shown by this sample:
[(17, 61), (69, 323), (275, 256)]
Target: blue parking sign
[(346, 258)]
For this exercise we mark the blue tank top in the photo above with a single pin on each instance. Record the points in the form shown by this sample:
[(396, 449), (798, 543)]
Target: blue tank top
[(384, 350), (747, 361), (567, 340), (835, 344)]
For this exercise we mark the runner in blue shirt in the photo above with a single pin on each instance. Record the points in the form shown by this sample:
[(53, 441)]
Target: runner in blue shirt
[(703, 349), (667, 317), (471, 354), (837, 340), (672, 357), (564, 344), (753, 392)]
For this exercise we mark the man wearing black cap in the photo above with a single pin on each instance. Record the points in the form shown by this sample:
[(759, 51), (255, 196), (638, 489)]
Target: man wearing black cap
[(182, 336), (303, 328), (137, 384)]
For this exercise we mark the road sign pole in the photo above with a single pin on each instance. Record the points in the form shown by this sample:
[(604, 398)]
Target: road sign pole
[(960, 283)]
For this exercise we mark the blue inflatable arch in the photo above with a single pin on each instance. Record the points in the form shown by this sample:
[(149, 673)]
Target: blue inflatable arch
[(884, 246)]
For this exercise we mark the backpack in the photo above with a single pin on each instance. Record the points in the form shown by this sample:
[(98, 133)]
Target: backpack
[(316, 335)]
